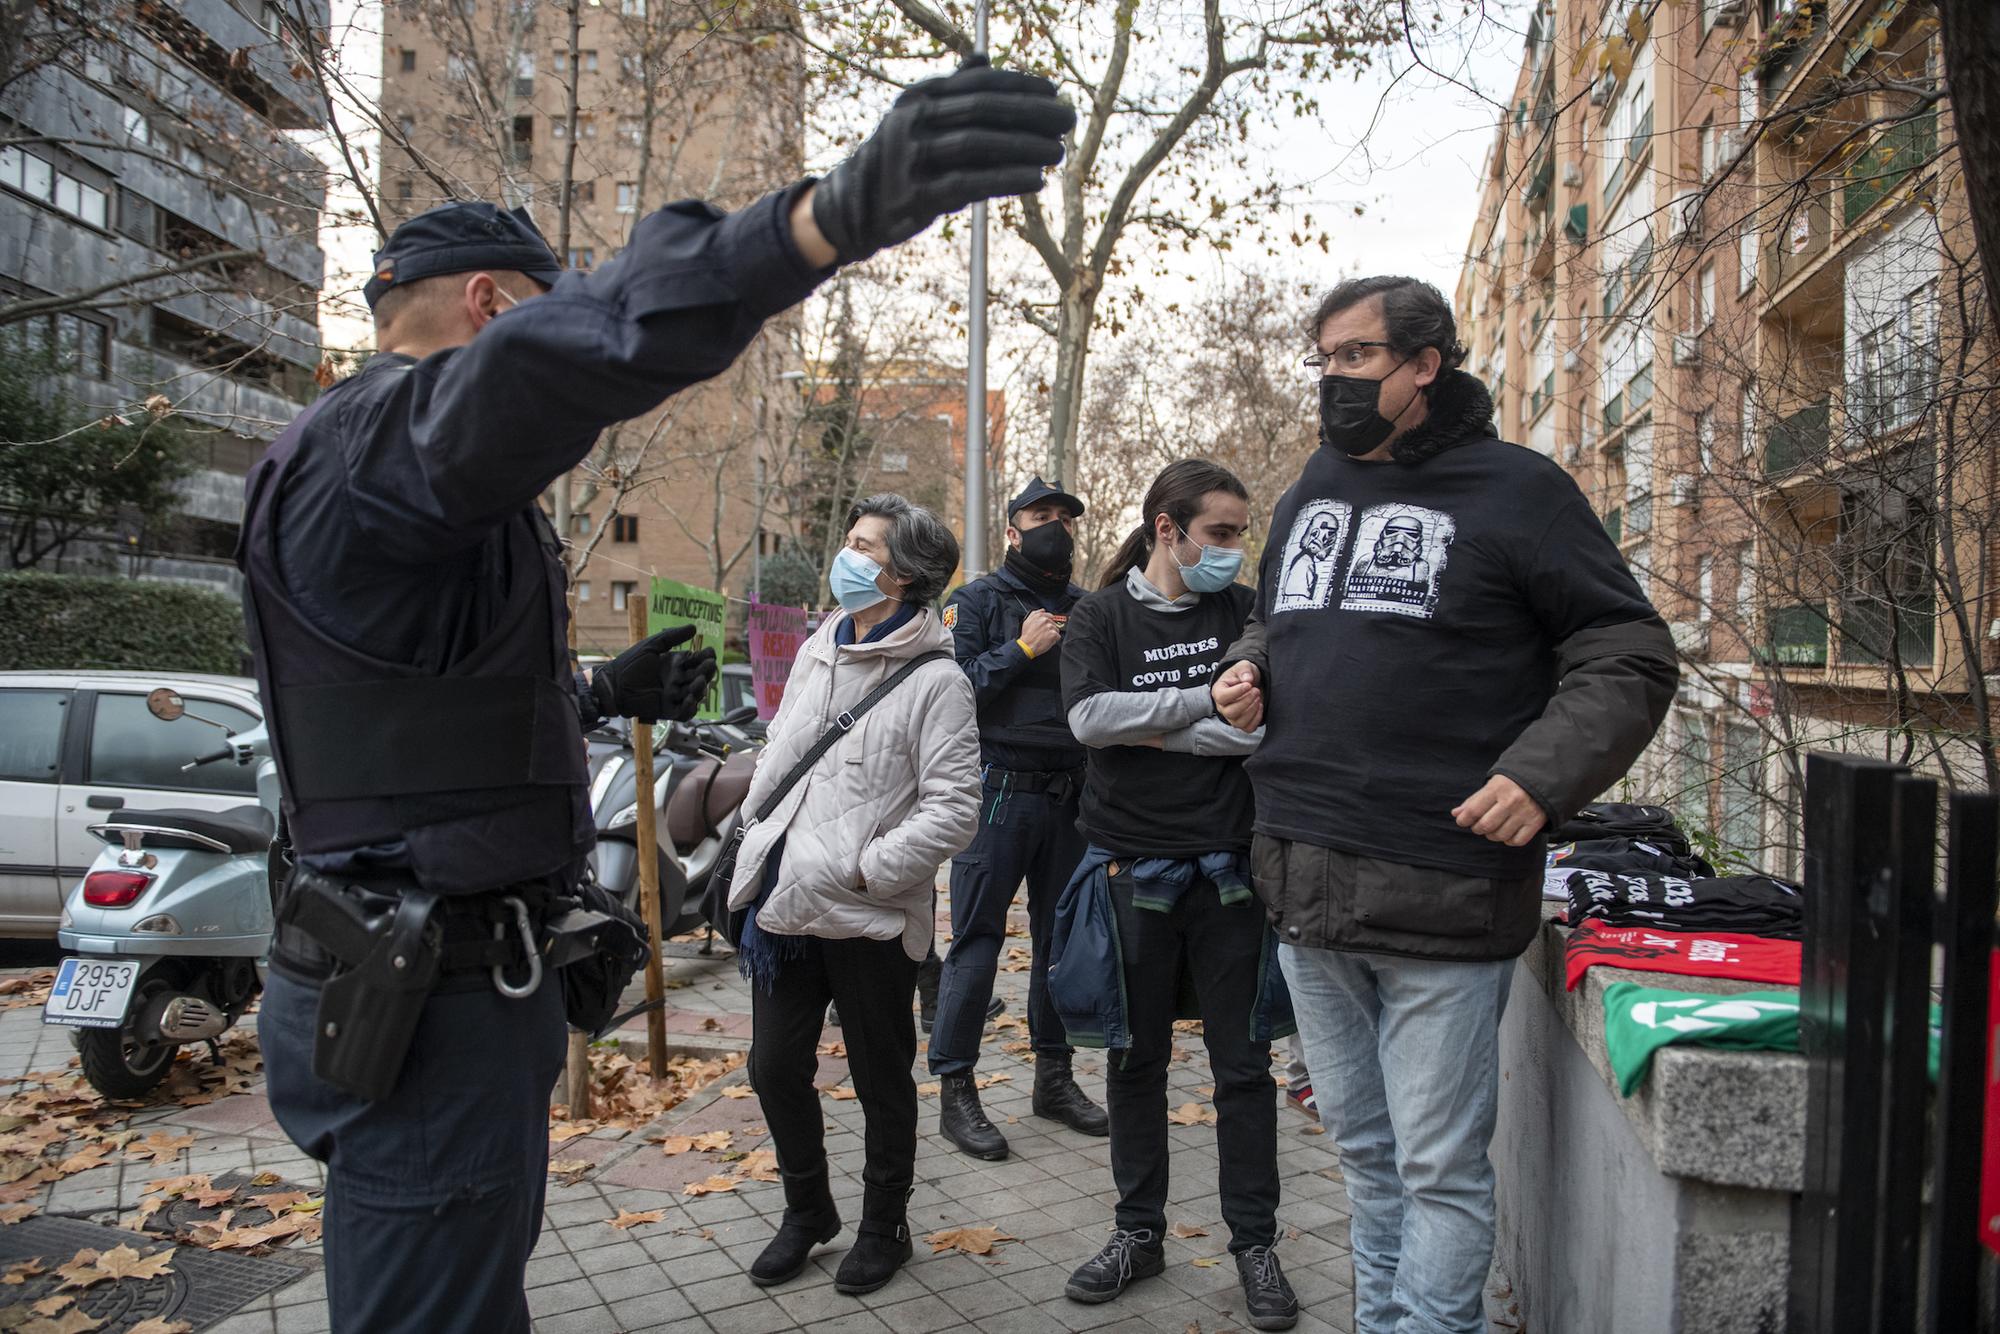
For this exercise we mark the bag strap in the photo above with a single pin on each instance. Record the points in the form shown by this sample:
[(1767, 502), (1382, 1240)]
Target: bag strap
[(842, 726)]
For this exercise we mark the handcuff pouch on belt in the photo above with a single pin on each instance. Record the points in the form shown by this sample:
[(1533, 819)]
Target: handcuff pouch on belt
[(390, 952), (594, 943)]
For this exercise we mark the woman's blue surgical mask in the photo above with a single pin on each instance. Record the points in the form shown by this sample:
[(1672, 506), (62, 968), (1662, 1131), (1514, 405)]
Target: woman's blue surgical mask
[(1215, 571), (853, 580)]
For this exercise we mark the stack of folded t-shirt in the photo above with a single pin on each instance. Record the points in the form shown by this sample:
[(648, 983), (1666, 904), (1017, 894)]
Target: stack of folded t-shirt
[(1620, 819), (1616, 856), (1755, 905)]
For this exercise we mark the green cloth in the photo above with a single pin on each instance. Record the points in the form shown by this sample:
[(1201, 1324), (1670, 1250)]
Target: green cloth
[(1638, 1021)]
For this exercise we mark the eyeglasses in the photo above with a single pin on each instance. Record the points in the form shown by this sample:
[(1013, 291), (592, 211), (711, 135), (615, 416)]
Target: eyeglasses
[(1352, 356)]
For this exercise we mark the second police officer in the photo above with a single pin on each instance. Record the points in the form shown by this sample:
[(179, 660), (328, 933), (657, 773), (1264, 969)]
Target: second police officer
[(1007, 632), (405, 603)]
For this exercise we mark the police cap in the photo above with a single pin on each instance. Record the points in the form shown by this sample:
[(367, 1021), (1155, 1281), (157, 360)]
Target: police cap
[(462, 238), (1038, 491)]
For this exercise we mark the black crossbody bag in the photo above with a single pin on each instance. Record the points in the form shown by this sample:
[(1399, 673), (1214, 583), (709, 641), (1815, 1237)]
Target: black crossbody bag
[(728, 922)]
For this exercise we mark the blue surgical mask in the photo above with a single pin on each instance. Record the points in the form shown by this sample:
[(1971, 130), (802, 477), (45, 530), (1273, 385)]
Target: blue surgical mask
[(1215, 571), (853, 580)]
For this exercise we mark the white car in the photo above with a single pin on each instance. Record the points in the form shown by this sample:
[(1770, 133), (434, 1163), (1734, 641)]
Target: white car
[(74, 745)]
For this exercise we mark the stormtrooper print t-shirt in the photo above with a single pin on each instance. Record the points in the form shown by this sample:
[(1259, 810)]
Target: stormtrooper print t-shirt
[(1413, 614)]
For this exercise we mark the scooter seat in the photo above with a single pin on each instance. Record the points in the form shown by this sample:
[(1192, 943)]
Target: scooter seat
[(240, 828)]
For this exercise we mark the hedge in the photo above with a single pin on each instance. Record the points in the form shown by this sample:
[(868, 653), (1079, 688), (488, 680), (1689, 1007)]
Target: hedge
[(72, 621)]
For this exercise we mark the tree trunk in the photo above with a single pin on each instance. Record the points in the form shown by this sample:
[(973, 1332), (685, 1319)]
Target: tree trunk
[(1971, 35), (1073, 326)]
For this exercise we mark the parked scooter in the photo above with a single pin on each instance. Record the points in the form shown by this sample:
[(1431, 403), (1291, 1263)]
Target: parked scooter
[(169, 924), (702, 773)]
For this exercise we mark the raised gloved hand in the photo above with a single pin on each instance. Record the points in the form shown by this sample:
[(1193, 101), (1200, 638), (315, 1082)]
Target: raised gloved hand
[(976, 133), (650, 682)]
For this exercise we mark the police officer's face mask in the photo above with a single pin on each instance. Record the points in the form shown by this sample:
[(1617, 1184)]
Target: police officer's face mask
[(1350, 416), (1049, 548)]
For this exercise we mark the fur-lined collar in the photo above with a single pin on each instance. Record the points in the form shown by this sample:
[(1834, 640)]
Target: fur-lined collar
[(1461, 410)]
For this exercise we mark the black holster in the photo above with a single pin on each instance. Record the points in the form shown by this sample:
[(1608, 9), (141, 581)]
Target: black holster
[(389, 949)]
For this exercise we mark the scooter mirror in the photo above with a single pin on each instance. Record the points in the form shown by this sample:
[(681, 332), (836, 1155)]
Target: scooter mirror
[(165, 704), (736, 717)]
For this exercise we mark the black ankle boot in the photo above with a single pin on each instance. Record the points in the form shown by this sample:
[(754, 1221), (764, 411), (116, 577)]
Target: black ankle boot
[(880, 1249), (811, 1219), (964, 1123), (1058, 1097)]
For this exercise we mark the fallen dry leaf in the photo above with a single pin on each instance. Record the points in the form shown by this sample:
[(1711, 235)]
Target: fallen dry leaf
[(988, 1081), (175, 1185), (969, 1240), (278, 1201), (51, 1305), (81, 1271), (759, 1165), (841, 1093), (570, 1170), (1313, 1130), (739, 1091), (21, 1271), (708, 1141), (124, 1262), (159, 1326), (930, 1090), (672, 1145), (1186, 1230), (15, 1213), (715, 1185), (69, 1322), (627, 1220), (210, 1197), (1192, 1114), (266, 1179), (835, 1048), (161, 1147), (1206, 1261), (564, 1134)]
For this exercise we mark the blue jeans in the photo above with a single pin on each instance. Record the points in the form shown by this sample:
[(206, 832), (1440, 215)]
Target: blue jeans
[(1405, 1056)]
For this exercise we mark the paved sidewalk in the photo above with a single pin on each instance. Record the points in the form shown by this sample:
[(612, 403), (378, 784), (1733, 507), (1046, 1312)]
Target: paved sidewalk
[(1053, 1196)]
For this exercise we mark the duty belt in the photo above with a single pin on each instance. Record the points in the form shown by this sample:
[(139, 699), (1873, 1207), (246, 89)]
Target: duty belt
[(1060, 784), (322, 926)]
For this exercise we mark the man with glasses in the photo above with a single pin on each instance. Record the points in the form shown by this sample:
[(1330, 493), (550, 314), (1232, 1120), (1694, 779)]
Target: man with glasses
[(1468, 663)]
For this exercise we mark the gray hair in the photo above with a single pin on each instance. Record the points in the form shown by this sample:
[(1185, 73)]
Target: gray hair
[(921, 548)]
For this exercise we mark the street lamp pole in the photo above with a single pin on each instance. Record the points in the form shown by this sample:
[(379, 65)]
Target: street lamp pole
[(975, 372)]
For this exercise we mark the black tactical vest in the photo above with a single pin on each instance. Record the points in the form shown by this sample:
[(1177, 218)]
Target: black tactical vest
[(478, 771)]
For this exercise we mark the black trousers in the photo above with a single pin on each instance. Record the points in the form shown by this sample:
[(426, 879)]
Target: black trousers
[(1218, 950), (1022, 835), (872, 981), (434, 1193)]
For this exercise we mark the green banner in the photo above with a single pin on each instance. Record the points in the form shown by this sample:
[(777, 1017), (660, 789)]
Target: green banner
[(675, 603)]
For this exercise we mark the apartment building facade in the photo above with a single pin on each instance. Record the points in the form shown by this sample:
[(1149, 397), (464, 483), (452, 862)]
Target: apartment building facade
[(1723, 275), (476, 104), (168, 135)]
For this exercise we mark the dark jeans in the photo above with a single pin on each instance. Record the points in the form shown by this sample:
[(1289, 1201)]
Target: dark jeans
[(1021, 835), (434, 1193), (1217, 949), (872, 981)]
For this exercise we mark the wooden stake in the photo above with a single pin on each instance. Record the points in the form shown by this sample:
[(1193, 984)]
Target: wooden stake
[(576, 1065), (649, 868)]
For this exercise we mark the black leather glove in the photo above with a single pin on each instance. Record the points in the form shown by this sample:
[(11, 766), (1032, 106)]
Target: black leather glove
[(977, 133), (650, 682)]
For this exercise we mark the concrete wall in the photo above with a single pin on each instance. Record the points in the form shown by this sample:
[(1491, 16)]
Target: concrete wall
[(1664, 1213)]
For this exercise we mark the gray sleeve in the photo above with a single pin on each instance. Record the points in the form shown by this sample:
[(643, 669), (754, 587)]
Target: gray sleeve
[(1127, 717), (1212, 736)]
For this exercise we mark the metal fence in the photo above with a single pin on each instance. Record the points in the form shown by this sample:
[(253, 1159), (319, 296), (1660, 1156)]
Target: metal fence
[(1886, 1235)]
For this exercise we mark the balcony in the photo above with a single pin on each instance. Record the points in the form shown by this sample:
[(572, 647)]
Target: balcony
[(1875, 172), (1798, 636), (1798, 439), (1803, 240), (1541, 178)]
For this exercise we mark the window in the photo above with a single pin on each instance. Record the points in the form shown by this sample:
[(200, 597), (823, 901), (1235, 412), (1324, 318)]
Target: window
[(1746, 257), (31, 728), (628, 197), (631, 67), (1746, 592), (409, 62), (1746, 420), (1542, 376), (632, 8), (1886, 555), (137, 129), (1691, 782), (629, 130), (1704, 438), (457, 69), (129, 747), (405, 191), (894, 460), (579, 525), (1894, 367), (590, 62), (583, 192), (625, 528), (1705, 589), (1742, 797), (27, 173), (621, 593), (583, 591), (582, 257), (1704, 297)]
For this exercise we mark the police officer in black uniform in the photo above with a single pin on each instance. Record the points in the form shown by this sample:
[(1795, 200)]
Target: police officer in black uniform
[(1007, 632), (406, 609)]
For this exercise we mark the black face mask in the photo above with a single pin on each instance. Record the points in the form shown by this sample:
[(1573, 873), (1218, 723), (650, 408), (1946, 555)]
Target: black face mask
[(1049, 549), (1350, 419)]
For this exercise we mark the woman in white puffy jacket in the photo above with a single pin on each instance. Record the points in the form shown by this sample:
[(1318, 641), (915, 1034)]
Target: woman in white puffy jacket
[(842, 877)]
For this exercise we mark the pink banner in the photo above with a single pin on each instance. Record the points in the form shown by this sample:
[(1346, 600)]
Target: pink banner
[(775, 634)]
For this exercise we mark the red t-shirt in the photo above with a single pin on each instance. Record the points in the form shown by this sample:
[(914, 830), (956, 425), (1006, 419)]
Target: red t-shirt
[(1694, 953)]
